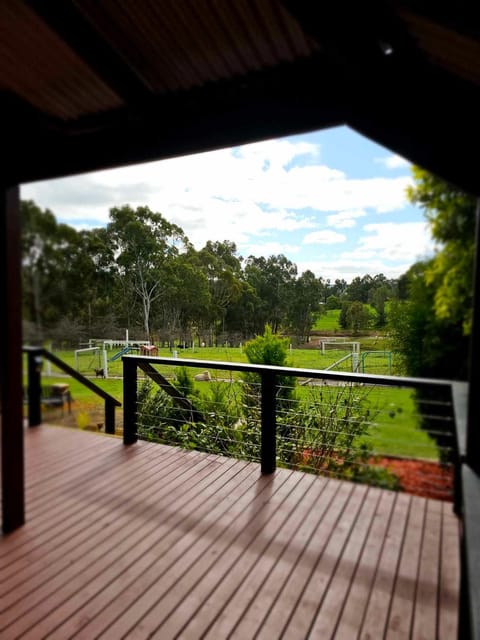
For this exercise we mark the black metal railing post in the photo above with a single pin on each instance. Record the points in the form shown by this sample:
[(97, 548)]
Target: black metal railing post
[(268, 452), (34, 387), (129, 401), (109, 417)]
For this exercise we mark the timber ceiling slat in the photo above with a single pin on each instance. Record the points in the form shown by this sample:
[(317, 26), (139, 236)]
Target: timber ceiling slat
[(41, 68), (71, 25), (184, 44), (456, 52), (152, 39)]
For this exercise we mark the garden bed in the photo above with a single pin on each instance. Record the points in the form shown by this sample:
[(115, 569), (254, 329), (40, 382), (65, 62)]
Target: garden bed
[(424, 478)]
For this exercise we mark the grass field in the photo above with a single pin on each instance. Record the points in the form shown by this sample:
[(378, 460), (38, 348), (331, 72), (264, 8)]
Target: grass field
[(328, 321), (394, 431), (397, 431)]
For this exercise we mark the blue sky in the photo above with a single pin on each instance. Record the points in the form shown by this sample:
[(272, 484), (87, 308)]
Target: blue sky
[(331, 201)]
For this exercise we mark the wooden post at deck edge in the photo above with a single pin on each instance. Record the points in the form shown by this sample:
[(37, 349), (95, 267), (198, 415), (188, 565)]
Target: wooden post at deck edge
[(11, 395), (473, 420)]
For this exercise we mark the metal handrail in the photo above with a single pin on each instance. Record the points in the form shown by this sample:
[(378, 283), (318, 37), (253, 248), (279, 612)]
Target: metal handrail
[(35, 359), (268, 375)]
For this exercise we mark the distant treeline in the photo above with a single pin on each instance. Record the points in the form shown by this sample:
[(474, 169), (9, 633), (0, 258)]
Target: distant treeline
[(141, 272)]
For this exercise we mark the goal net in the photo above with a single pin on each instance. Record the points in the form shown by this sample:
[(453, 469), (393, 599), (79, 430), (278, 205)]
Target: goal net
[(90, 361), (338, 345)]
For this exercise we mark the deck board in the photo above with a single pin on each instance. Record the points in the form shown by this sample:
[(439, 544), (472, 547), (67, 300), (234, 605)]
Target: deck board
[(403, 601), (152, 541)]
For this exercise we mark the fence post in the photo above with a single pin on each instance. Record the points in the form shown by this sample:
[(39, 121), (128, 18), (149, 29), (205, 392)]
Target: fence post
[(268, 452), (34, 387), (129, 401)]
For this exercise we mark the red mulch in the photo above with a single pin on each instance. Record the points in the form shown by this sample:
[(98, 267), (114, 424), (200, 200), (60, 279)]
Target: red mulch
[(421, 478)]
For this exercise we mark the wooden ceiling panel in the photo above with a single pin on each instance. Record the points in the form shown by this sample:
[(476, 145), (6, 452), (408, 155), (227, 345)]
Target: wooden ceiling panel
[(456, 52), (182, 44), (39, 67)]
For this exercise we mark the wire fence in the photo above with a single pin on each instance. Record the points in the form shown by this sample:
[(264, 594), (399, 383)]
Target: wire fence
[(388, 436)]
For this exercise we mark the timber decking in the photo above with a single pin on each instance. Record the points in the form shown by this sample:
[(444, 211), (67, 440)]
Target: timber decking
[(153, 541)]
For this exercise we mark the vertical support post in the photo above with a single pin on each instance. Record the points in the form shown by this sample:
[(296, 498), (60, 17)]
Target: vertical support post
[(464, 627), (105, 363), (109, 417), (11, 385), (34, 387), (268, 452), (473, 420), (129, 401)]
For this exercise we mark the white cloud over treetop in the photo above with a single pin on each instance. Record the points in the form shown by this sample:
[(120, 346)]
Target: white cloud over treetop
[(325, 236), (402, 241)]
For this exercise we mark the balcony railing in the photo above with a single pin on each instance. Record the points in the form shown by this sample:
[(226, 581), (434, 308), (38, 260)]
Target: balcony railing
[(340, 424), (35, 357)]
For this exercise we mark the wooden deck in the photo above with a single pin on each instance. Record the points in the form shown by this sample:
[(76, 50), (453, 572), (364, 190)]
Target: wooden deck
[(152, 541)]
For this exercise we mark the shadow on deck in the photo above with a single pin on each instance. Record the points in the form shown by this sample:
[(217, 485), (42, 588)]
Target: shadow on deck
[(153, 541)]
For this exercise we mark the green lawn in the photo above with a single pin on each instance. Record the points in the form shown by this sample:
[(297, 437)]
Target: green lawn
[(328, 321), (396, 430)]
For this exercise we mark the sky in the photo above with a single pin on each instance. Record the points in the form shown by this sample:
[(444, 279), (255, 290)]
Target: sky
[(331, 201)]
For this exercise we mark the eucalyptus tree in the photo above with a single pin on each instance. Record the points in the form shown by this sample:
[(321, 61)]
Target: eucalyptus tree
[(37, 227), (52, 253), (97, 283), (305, 304), (359, 288), (186, 299), (272, 278), (222, 268), (144, 244), (242, 313)]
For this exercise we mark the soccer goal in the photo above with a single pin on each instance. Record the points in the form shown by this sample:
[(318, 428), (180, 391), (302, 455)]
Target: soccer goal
[(340, 355), (340, 345), (92, 361)]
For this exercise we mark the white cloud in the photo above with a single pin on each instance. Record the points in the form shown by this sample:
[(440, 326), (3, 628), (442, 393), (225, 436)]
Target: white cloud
[(347, 269), (324, 237), (267, 249), (250, 176), (389, 248), (345, 219), (394, 242), (393, 162), (275, 153)]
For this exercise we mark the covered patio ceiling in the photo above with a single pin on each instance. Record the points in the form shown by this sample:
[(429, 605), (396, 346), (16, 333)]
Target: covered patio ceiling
[(88, 84)]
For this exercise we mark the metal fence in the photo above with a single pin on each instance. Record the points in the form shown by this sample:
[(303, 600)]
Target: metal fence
[(387, 431)]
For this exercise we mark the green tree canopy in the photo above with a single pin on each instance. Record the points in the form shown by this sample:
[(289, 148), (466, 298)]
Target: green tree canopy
[(451, 216), (144, 242), (431, 320)]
